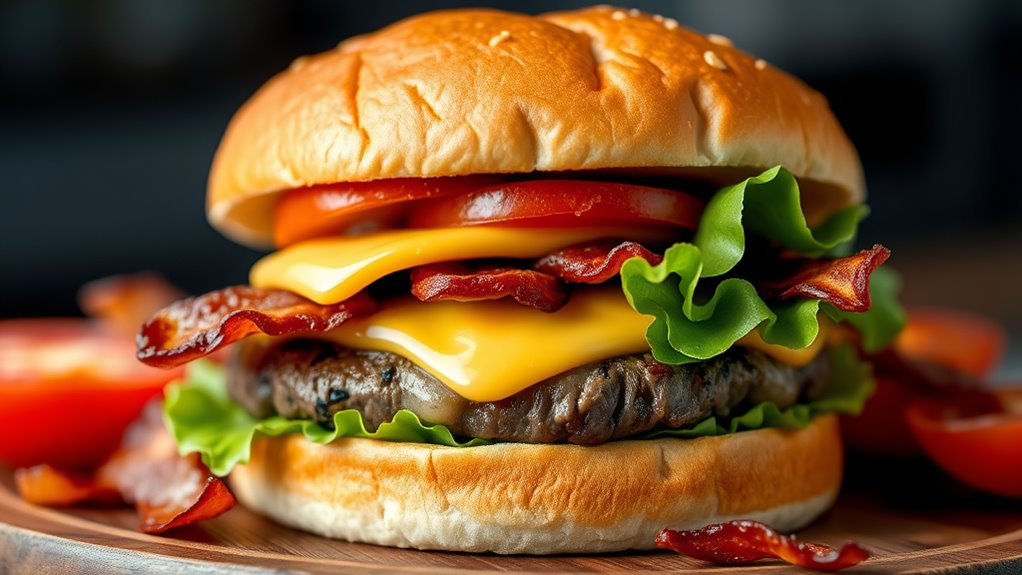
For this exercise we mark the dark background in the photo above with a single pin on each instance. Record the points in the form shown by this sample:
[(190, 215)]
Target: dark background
[(110, 112)]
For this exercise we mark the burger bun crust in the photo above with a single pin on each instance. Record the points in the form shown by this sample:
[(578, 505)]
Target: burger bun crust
[(541, 499), (483, 92)]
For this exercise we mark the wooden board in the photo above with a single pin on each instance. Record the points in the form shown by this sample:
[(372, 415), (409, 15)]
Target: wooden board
[(914, 521)]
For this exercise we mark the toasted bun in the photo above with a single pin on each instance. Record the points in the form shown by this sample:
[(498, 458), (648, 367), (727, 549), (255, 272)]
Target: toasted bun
[(541, 499), (483, 91)]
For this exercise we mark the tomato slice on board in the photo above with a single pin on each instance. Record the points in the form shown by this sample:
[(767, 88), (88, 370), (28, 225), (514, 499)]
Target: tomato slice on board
[(68, 390), (954, 340), (881, 429), (974, 437), (358, 207), (939, 352), (560, 203)]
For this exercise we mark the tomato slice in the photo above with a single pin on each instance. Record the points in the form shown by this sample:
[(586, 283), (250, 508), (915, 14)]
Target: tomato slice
[(880, 429), (974, 437), (358, 207), (67, 391), (939, 351), (954, 340), (559, 203)]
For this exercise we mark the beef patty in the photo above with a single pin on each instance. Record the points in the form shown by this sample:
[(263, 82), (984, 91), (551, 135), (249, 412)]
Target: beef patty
[(591, 404)]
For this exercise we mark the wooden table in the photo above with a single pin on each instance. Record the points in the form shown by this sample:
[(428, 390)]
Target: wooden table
[(909, 515)]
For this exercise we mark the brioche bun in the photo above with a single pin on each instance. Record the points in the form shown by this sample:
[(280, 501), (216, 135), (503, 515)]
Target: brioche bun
[(541, 499), (483, 91)]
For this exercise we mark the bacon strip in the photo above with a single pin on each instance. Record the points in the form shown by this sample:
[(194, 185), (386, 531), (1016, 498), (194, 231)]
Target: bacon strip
[(593, 263), (744, 541), (454, 282), (843, 282), (166, 489), (195, 327)]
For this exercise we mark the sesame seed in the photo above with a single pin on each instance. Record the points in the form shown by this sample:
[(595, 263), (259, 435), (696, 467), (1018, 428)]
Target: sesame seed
[(618, 15), (714, 60), (719, 40), (670, 23), (504, 35), (299, 63), (761, 64), (658, 18), (634, 13)]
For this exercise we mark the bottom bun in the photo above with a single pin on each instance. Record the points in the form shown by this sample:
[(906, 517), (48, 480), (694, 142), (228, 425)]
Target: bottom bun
[(541, 499)]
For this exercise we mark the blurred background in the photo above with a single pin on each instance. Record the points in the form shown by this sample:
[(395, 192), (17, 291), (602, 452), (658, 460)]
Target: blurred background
[(110, 111)]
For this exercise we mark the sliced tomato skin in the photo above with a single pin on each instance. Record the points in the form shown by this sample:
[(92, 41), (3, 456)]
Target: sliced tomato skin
[(356, 207), (973, 439), (69, 413), (561, 203), (951, 339), (881, 429)]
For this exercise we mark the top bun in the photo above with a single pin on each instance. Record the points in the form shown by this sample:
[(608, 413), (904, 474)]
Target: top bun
[(483, 91)]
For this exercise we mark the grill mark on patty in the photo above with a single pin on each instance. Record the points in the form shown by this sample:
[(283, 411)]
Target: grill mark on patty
[(591, 404)]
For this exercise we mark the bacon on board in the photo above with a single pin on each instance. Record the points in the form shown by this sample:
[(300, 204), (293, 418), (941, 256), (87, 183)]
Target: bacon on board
[(168, 490), (744, 541)]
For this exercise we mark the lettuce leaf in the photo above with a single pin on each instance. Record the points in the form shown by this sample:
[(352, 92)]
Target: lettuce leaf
[(689, 326), (202, 418)]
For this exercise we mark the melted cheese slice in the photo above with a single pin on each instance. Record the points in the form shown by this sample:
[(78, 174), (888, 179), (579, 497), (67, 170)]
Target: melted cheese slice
[(487, 351), (333, 269)]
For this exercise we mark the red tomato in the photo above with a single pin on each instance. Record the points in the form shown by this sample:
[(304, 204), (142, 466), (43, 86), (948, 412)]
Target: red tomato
[(558, 203), (356, 207), (973, 438), (881, 429), (67, 391), (952, 339)]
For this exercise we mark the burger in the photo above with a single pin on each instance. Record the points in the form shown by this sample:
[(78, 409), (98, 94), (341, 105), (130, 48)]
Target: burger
[(542, 284)]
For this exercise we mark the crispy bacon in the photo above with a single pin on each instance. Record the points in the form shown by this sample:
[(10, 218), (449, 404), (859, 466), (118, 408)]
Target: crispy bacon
[(441, 282), (744, 541), (166, 489), (595, 262), (843, 282), (195, 327)]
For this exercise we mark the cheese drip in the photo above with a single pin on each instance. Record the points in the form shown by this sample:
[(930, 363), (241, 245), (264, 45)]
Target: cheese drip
[(490, 350)]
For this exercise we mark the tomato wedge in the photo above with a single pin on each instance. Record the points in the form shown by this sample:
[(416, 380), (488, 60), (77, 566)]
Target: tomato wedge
[(939, 352), (880, 429), (976, 438), (560, 203), (358, 207), (67, 391), (951, 339)]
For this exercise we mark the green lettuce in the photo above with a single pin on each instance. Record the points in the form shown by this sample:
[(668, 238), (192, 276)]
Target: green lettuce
[(202, 418), (691, 325)]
